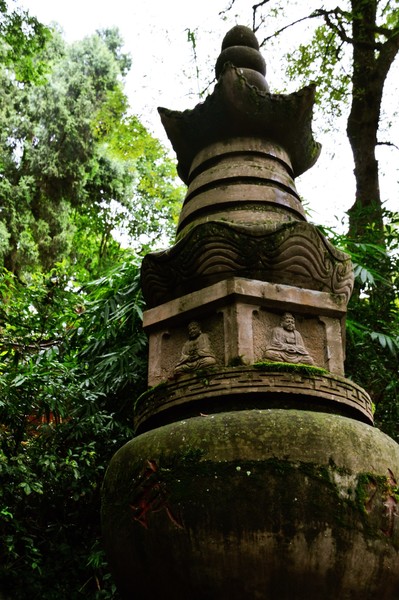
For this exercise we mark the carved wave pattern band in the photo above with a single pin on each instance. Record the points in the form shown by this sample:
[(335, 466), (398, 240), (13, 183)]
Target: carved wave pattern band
[(293, 254)]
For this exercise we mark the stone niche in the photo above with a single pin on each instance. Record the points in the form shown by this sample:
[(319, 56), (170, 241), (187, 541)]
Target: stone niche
[(238, 317)]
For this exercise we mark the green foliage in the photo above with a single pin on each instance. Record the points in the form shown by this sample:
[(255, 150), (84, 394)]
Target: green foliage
[(114, 43), (22, 37), (282, 367), (75, 168), (348, 51), (115, 355), (323, 62), (76, 165), (72, 362), (150, 214), (373, 321), (326, 54)]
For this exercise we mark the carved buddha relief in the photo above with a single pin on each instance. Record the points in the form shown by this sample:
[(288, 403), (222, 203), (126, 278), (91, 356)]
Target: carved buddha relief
[(286, 343), (197, 352)]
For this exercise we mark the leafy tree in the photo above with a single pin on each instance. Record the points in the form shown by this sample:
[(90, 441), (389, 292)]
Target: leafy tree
[(72, 362), (369, 31), (74, 166), (373, 321), (50, 154), (75, 163), (149, 216), (22, 37)]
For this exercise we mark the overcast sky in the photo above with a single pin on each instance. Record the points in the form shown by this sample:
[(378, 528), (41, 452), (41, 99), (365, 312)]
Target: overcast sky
[(155, 34), (163, 74)]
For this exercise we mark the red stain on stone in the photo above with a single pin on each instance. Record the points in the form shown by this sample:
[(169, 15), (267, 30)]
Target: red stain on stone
[(150, 496), (371, 492), (391, 506)]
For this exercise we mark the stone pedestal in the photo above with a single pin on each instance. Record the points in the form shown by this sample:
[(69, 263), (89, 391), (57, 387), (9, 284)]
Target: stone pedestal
[(276, 504)]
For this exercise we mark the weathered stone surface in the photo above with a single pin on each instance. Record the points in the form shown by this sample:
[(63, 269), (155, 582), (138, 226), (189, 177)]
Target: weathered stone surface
[(293, 253), (241, 48), (253, 168), (249, 197), (285, 343), (262, 386), (197, 353), (239, 315), (261, 504), (244, 146), (241, 56), (224, 161), (264, 501), (240, 173), (236, 108), (240, 35)]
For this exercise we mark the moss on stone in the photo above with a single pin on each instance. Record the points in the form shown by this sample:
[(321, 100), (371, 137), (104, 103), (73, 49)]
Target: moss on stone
[(150, 392), (259, 483), (283, 367)]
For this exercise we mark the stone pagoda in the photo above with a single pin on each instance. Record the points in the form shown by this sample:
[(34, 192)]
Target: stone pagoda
[(256, 472)]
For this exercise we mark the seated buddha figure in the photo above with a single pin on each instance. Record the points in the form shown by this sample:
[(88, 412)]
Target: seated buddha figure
[(196, 353), (286, 343)]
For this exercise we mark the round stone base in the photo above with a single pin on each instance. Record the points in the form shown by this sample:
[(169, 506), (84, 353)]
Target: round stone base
[(255, 504)]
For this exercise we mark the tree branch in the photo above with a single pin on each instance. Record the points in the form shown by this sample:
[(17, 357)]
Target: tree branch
[(337, 27), (5, 344), (226, 10), (254, 10), (391, 144), (388, 53), (328, 16), (256, 6), (276, 33)]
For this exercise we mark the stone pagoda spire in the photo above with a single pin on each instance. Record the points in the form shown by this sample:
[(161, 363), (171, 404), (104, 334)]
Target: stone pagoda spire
[(245, 253), (240, 150), (256, 471)]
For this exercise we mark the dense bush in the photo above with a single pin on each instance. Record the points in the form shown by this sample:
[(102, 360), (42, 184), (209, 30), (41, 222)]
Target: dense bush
[(72, 363)]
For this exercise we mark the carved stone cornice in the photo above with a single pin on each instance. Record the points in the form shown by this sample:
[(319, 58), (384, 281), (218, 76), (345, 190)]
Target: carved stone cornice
[(243, 387), (293, 253), (237, 108)]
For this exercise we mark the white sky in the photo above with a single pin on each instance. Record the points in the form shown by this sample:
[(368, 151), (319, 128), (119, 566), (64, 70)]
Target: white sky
[(163, 74)]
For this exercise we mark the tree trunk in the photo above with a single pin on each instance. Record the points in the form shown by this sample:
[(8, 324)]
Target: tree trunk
[(372, 60), (362, 125)]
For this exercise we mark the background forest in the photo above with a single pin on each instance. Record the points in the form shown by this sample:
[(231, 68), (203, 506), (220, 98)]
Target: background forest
[(85, 191)]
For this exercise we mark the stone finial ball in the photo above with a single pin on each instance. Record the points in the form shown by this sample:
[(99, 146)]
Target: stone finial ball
[(240, 36), (240, 48), (241, 57)]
